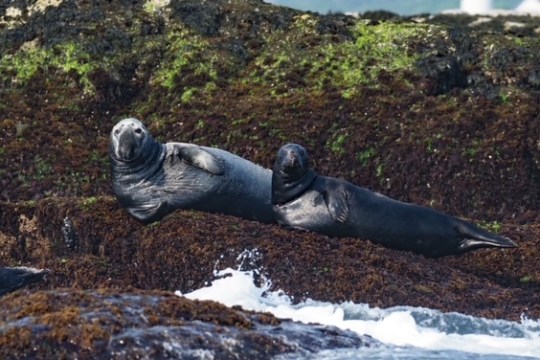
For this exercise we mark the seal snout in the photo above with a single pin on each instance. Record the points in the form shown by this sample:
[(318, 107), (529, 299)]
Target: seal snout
[(292, 158), (127, 144), (127, 138)]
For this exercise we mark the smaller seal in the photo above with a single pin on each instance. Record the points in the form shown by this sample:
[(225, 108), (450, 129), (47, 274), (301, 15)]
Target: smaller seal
[(305, 200), (13, 278), (151, 179)]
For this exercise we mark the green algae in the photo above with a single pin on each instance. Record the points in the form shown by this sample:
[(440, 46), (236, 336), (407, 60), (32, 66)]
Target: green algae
[(154, 6), (365, 156), (43, 168), (191, 65), (336, 143), (289, 65), (25, 65), (493, 226), (375, 48), (88, 203), (63, 59)]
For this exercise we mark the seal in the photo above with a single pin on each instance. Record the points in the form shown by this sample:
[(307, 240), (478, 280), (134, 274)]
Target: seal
[(151, 179), (13, 278), (305, 200)]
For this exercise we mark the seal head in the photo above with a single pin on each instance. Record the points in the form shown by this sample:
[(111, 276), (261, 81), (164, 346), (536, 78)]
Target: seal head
[(130, 142), (127, 140), (293, 173)]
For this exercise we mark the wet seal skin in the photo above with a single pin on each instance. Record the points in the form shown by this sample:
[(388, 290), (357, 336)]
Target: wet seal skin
[(150, 179), (305, 200), (14, 278)]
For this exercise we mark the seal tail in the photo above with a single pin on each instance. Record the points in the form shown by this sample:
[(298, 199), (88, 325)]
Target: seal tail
[(476, 238)]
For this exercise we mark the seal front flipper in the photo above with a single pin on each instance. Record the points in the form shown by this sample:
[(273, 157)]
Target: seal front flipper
[(337, 199), (198, 157), (149, 213)]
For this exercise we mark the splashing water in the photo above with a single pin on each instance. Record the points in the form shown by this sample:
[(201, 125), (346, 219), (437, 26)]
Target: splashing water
[(409, 332)]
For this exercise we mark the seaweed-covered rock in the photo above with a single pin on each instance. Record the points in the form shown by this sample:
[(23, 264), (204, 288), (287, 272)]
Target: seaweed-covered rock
[(441, 111), (182, 251), (370, 98), (124, 325)]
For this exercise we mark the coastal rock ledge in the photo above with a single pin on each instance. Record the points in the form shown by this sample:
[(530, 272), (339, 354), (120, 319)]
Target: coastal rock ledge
[(106, 324), (440, 111)]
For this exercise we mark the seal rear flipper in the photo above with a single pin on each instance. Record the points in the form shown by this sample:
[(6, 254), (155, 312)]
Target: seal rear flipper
[(337, 199), (475, 238), (149, 213), (198, 157)]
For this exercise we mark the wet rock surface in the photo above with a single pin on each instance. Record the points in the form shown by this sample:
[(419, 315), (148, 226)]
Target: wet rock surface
[(440, 111), (136, 324)]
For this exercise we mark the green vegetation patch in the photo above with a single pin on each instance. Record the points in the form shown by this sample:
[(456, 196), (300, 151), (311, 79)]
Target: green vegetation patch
[(359, 62), (336, 143), (365, 156), (89, 202), (344, 64), (494, 226), (67, 58), (191, 65)]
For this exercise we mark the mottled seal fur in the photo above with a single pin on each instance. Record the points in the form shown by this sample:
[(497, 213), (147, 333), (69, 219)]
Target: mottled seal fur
[(304, 200), (151, 179)]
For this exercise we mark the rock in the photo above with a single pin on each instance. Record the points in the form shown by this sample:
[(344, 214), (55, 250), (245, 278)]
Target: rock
[(442, 113), (182, 251), (138, 324), (70, 234)]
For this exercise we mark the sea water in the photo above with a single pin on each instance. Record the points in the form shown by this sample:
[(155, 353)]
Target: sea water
[(402, 7), (407, 332)]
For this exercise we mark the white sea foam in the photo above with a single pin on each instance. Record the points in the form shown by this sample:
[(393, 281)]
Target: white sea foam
[(408, 7), (420, 328), (485, 7), (476, 6), (531, 7)]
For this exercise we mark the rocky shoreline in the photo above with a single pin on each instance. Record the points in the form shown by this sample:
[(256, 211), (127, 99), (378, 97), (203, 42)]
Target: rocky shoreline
[(431, 110), (138, 324)]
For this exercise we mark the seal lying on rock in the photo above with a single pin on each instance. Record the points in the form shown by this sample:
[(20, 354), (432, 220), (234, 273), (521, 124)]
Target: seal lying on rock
[(151, 179), (15, 278), (304, 200)]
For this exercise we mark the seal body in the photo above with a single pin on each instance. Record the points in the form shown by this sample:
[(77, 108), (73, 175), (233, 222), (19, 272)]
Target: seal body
[(304, 200), (15, 278), (151, 179)]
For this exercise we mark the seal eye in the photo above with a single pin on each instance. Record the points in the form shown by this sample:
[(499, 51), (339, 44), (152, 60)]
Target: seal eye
[(138, 131), (116, 132)]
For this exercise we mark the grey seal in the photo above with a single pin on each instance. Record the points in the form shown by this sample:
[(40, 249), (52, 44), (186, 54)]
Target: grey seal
[(305, 200), (151, 179), (13, 278)]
